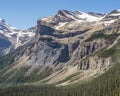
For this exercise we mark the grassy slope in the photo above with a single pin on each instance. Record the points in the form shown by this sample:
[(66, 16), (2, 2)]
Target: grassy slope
[(107, 84)]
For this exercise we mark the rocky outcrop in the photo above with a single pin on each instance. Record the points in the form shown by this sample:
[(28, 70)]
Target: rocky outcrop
[(61, 17), (93, 63), (87, 48), (68, 35)]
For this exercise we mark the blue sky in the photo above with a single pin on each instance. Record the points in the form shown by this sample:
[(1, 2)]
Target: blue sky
[(24, 13)]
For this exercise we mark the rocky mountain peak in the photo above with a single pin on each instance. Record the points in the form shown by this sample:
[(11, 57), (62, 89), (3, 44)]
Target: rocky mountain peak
[(115, 14), (62, 16), (73, 20), (115, 11), (62, 12), (2, 20), (111, 17)]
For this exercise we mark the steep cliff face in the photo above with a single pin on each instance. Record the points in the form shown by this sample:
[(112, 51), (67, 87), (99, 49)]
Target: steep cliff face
[(94, 62), (48, 53), (55, 55)]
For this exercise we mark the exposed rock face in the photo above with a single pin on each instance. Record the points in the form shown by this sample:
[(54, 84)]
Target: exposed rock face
[(86, 48), (47, 49), (48, 53), (5, 45), (93, 63)]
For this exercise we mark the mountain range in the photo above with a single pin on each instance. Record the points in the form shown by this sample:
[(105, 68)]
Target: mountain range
[(65, 49), (11, 38)]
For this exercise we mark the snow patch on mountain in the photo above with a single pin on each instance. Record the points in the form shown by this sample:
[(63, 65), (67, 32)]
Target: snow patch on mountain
[(0, 19), (61, 24), (107, 23), (87, 17), (47, 19)]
